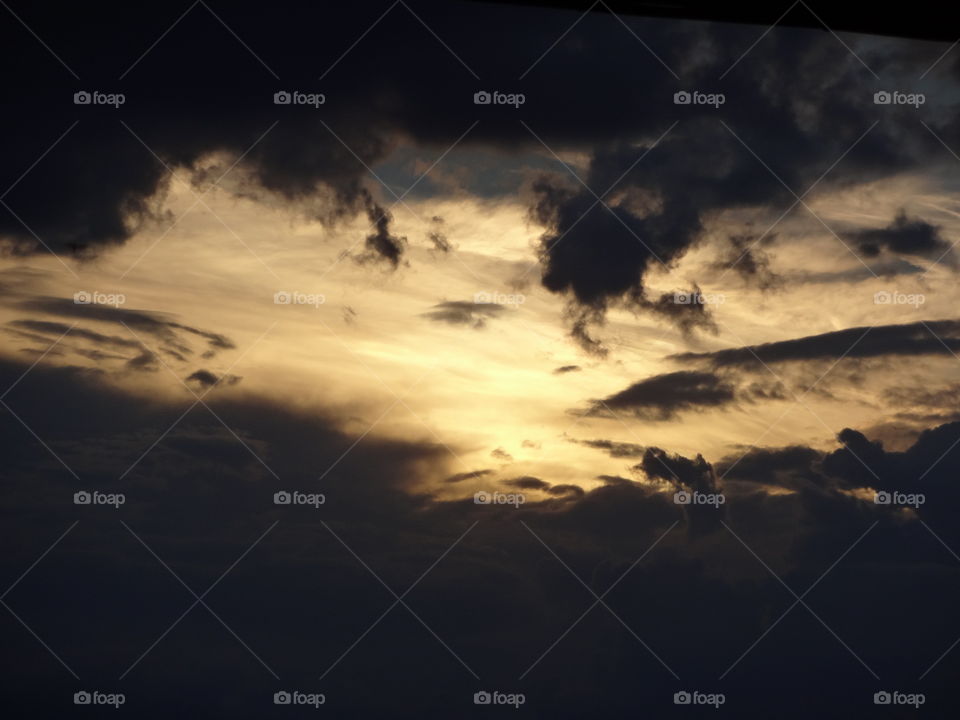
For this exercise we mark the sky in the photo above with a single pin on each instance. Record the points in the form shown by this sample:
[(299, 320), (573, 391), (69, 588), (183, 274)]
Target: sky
[(502, 359)]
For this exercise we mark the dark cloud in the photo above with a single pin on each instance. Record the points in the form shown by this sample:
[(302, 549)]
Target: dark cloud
[(440, 242), (696, 474), (458, 312), (747, 255), (928, 466), (52, 330), (581, 319), (146, 360), (790, 467), (661, 183), (381, 244), (936, 337), (527, 482), (564, 490), (215, 340), (48, 333), (472, 475), (437, 236), (685, 309), (610, 266), (95, 355), (201, 500), (615, 449), (207, 379), (159, 325), (945, 398), (693, 476), (884, 267), (615, 480), (101, 179), (662, 397), (668, 181), (755, 391), (564, 369), (204, 92), (903, 236)]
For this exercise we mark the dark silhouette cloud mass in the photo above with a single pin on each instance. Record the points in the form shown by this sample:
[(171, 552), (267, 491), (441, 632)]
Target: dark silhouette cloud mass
[(706, 459)]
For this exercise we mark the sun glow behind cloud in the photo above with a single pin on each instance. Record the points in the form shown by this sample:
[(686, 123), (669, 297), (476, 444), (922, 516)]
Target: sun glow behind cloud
[(478, 381)]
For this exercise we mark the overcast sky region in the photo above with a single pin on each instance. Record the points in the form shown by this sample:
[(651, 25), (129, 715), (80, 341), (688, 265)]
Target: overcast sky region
[(417, 359)]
